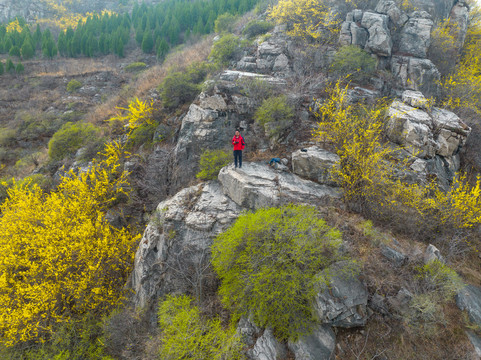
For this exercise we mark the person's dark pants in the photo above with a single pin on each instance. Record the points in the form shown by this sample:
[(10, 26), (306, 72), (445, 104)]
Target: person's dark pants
[(238, 155)]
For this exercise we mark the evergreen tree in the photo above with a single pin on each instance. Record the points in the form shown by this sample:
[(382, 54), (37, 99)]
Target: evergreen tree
[(37, 36), (147, 42), (19, 68), (27, 49), (162, 48), (14, 51), (62, 44), (93, 46), (8, 44), (2, 69), (139, 35), (10, 67)]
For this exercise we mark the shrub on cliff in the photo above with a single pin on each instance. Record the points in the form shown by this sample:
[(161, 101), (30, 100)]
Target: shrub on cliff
[(226, 49), (269, 263), (275, 115), (211, 161), (187, 335), (355, 62)]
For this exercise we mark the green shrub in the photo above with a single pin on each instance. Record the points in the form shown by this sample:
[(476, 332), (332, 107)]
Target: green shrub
[(136, 66), (354, 61), (186, 335), (211, 161), (440, 278), (71, 137), (257, 27), (74, 85), (270, 263), (257, 88), (225, 23), (181, 87), (275, 115), (226, 49), (19, 69), (10, 67), (142, 135)]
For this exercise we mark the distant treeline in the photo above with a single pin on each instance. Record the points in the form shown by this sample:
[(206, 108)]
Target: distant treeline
[(156, 28)]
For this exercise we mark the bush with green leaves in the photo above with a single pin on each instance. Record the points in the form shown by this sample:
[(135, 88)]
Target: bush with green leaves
[(270, 264), (211, 161), (275, 115), (257, 27), (136, 66), (187, 335), (74, 85), (180, 87), (142, 135), (354, 61), (71, 137), (225, 23), (226, 49), (439, 278)]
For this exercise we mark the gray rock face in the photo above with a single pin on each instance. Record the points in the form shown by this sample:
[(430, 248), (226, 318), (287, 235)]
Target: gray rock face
[(439, 132), (433, 135), (439, 9), (314, 164), (380, 41), (319, 345), (469, 300), (343, 304), (178, 240), (476, 341), (416, 35), (256, 185), (432, 253), (460, 17), (267, 347), (396, 257), (389, 8), (248, 331), (415, 74)]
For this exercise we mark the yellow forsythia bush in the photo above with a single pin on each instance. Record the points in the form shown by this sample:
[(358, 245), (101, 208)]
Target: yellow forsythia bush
[(59, 256)]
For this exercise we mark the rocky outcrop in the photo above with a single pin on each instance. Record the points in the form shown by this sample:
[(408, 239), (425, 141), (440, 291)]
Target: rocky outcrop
[(175, 250), (257, 185), (415, 36), (469, 300), (400, 38), (315, 164), (343, 302), (433, 135), (415, 74), (267, 347), (319, 345), (212, 120)]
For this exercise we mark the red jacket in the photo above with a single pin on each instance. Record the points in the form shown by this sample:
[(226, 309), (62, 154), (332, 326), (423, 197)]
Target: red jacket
[(238, 143)]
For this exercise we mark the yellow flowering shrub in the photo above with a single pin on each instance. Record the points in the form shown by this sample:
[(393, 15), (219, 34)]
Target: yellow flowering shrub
[(137, 114), (308, 19), (368, 167), (60, 258)]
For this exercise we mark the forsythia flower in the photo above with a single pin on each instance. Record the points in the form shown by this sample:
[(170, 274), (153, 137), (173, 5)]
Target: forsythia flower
[(60, 257)]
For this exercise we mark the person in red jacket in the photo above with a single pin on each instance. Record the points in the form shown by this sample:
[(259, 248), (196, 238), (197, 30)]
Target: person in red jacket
[(239, 145)]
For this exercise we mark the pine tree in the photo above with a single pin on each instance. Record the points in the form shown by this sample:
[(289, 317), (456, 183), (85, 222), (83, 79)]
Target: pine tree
[(19, 68), (2, 69), (27, 49), (10, 67), (14, 51), (37, 35), (139, 35), (162, 48), (147, 42), (62, 44)]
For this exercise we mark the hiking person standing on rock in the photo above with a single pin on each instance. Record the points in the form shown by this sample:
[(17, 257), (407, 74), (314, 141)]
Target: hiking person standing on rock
[(239, 145)]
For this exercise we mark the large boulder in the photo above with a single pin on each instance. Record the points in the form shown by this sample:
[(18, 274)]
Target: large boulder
[(469, 300), (416, 74), (459, 17), (396, 15), (343, 302), (415, 35), (318, 345), (380, 41), (267, 347), (428, 131), (257, 185), (176, 243), (314, 164)]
